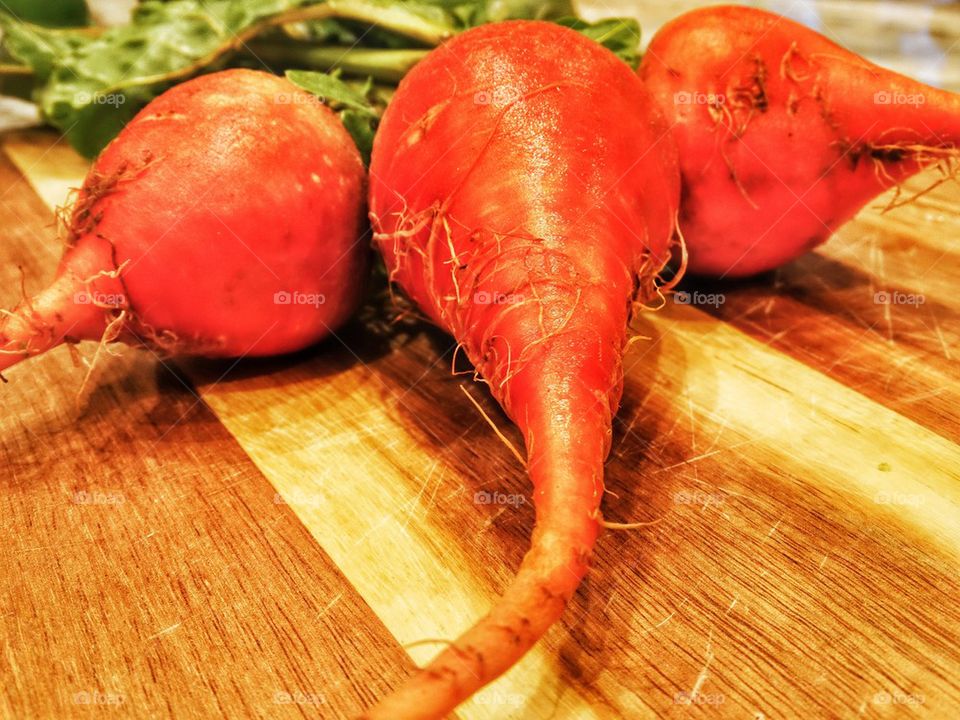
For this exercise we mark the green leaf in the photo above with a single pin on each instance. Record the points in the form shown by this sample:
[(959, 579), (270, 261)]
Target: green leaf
[(619, 35), (332, 91), (91, 86), (52, 13), (497, 10), (362, 128), (383, 65), (471, 13), (333, 32), (358, 113), (94, 125), (36, 46)]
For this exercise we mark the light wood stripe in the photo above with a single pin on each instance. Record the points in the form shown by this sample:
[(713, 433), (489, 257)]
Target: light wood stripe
[(797, 417)]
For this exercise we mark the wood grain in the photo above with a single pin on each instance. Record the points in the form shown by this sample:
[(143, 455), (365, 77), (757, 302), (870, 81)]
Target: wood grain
[(747, 518), (837, 310)]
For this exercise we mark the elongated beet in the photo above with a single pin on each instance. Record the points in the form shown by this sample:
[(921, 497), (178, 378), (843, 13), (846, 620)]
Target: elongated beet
[(524, 193), (783, 135)]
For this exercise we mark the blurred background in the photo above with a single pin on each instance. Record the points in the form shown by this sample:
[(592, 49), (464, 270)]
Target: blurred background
[(915, 38), (912, 37)]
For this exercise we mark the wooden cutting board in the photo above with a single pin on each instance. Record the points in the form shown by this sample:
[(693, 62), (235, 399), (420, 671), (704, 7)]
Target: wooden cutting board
[(287, 538)]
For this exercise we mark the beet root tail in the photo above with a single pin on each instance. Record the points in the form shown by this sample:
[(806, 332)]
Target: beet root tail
[(72, 309), (567, 437), (547, 579), (40, 324)]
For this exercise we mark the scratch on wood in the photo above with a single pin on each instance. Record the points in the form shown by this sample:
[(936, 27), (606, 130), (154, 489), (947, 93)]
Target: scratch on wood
[(165, 631), (704, 673), (703, 456), (716, 437), (734, 602), (772, 530), (491, 520), (330, 605), (939, 332), (688, 461), (667, 618)]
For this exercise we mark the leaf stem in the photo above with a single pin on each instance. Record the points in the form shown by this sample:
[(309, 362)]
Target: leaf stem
[(383, 65), (393, 19), (10, 70)]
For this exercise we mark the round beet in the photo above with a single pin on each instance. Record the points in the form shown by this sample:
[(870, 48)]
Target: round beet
[(224, 221)]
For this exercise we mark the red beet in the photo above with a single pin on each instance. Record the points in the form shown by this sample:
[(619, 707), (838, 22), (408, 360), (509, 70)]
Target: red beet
[(783, 135), (524, 193), (223, 221)]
